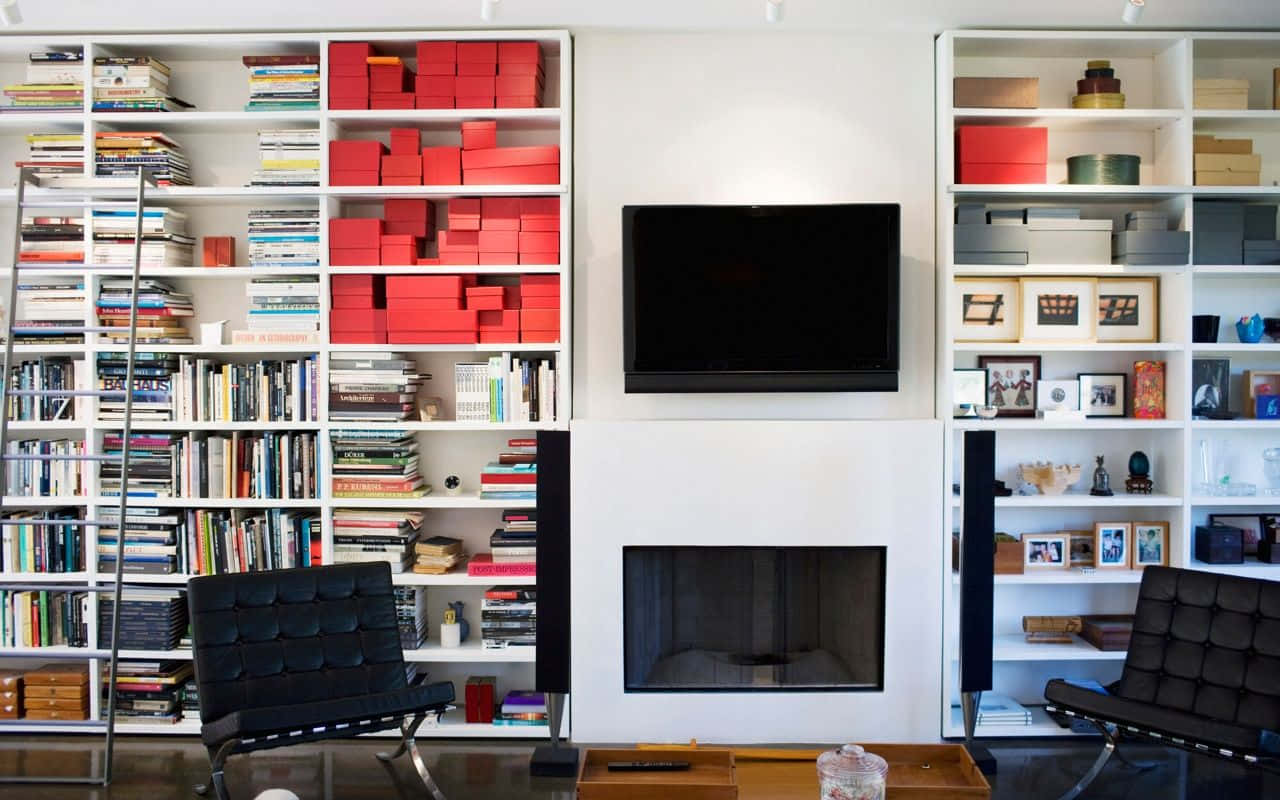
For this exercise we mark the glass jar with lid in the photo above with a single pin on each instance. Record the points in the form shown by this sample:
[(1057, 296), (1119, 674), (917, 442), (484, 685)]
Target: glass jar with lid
[(851, 773)]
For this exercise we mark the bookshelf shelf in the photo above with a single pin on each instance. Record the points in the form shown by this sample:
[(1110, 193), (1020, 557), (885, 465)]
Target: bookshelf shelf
[(1030, 270), (1012, 647), (527, 269), (41, 502), (44, 577), (433, 500), (522, 347), (457, 579), (209, 502), (448, 118), (443, 192), (446, 425), (1073, 119), (1126, 423), (471, 652), (250, 121), (156, 425), (1067, 577), (1041, 725), (1074, 347)]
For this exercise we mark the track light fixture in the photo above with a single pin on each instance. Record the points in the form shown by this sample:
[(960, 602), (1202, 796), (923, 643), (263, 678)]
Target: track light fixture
[(1133, 11), (772, 10), (10, 14), (487, 9)]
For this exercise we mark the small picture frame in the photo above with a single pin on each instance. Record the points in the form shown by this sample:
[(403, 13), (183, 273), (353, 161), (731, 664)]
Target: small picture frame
[(1102, 394), (1210, 386), (1252, 525), (1111, 544), (987, 309), (1044, 550), (1129, 309), (968, 387), (1059, 310), (1150, 544), (1058, 396), (1259, 383), (1081, 552), (1011, 383)]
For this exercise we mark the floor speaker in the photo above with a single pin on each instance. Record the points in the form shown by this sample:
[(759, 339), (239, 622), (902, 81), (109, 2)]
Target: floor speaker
[(977, 581)]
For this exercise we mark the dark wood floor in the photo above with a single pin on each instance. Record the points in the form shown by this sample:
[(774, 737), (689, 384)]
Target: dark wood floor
[(149, 768)]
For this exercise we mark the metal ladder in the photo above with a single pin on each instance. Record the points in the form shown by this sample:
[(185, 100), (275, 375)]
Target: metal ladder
[(27, 178)]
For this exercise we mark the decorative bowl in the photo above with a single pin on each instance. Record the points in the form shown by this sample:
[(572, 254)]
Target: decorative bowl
[(988, 412), (1249, 329), (1271, 327)]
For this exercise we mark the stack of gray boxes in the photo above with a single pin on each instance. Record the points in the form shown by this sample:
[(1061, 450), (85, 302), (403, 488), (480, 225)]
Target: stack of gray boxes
[(1029, 236), (1219, 229), (978, 242), (1260, 244), (1147, 241)]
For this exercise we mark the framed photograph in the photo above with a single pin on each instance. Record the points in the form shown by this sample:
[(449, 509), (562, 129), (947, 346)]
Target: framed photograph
[(1102, 394), (1080, 544), (1251, 524), (987, 309), (1150, 544), (1111, 544), (1044, 551), (1128, 309), (969, 386), (1011, 383), (1060, 395), (1210, 386), (1059, 310)]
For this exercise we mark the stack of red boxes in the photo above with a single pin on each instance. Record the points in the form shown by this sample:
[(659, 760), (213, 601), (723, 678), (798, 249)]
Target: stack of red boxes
[(349, 74), (428, 309), (475, 85), (539, 308), (1001, 154), (433, 87), (539, 230), (506, 165), (358, 315), (407, 216), (442, 166), (520, 75), (355, 242), (403, 166), (390, 83), (500, 230), (355, 162)]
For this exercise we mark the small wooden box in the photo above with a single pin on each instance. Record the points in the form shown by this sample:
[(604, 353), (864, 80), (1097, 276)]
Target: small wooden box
[(10, 681), (58, 675), (1009, 558), (63, 703), (996, 92), (219, 251), (33, 690), (56, 714), (711, 776)]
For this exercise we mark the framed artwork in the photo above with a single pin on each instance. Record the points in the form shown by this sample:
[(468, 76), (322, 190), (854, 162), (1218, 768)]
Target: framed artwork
[(1062, 395), (1259, 384), (1150, 544), (1111, 544), (987, 309), (1044, 550), (969, 387), (1251, 524), (1148, 389), (1059, 310), (1081, 553), (1210, 386), (1102, 394), (1128, 309), (1011, 383)]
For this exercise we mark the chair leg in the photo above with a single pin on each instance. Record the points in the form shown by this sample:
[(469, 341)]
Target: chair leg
[(408, 745), (1108, 749), (217, 758)]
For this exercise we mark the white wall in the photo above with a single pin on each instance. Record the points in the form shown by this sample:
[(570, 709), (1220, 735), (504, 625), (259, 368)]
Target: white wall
[(738, 118)]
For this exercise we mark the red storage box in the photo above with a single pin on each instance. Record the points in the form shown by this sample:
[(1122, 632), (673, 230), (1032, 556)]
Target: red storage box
[(358, 319), (517, 86), (517, 102), (499, 241), (392, 100), (540, 285), (539, 241), (401, 180), (355, 284), (497, 157), (402, 166), (492, 298), (348, 103), (355, 256), (505, 319), (540, 214), (405, 209), (355, 155), (424, 286), (219, 251), (405, 142), (442, 166), (352, 178), (433, 102), (540, 301), (352, 301), (358, 337), (539, 258), (432, 337), (533, 336), (498, 259), (419, 228), (437, 69), (1000, 154), (475, 85), (460, 258), (348, 232), (354, 86), (424, 304), (398, 255), (476, 69), (349, 52), (487, 101), (389, 78), (429, 262), (352, 70), (514, 68), (519, 52), (540, 319), (437, 320), (545, 174), (500, 214), (434, 86), (481, 52), (464, 214), (454, 239), (480, 134), (438, 52)]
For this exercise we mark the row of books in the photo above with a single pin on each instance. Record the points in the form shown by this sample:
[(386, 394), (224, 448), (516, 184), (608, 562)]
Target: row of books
[(284, 303), (49, 476), (152, 385), (506, 388), (361, 535), (165, 240), (49, 311), (133, 83), (284, 237), (260, 391), (411, 617), (51, 240), (251, 465), (54, 82), (376, 464), (509, 617), (161, 310), (31, 547), (437, 555), (514, 476), (288, 157), (53, 154), (151, 617), (150, 691), (373, 386), (44, 619), (120, 154), (48, 374), (286, 82)]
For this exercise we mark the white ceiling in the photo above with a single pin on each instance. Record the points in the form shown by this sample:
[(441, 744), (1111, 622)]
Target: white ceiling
[(853, 15)]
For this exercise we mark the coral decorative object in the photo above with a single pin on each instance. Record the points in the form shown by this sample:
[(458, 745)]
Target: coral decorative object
[(1148, 389), (1048, 478), (1250, 329)]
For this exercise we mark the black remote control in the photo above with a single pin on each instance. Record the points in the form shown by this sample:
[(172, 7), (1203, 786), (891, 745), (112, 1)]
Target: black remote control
[(647, 766)]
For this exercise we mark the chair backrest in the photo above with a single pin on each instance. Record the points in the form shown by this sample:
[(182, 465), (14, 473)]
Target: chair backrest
[(1206, 644), (294, 636)]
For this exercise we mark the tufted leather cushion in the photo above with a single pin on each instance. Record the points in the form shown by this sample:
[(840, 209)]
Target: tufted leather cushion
[(293, 637), (1203, 661)]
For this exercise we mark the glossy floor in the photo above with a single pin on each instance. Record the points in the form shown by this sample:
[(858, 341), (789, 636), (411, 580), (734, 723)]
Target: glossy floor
[(166, 769)]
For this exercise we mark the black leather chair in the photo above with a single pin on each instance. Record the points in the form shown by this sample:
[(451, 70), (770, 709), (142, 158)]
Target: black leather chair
[(1202, 672), (299, 655)]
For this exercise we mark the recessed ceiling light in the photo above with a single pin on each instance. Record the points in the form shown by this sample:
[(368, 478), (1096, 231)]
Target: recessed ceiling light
[(1133, 11), (772, 10), (487, 9), (9, 12)]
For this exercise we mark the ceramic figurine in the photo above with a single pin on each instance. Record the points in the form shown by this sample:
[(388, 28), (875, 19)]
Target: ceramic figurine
[(1101, 481), (1139, 481), (453, 485), (1048, 478), (1249, 329), (450, 630), (465, 627)]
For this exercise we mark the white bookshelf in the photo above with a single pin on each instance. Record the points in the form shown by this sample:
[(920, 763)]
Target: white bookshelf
[(1157, 69), (220, 139)]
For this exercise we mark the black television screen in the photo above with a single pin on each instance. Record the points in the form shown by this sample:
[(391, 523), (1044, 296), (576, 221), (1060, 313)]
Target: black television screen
[(760, 298)]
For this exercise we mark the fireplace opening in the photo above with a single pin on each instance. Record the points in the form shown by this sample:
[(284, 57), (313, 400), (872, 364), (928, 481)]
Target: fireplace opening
[(753, 618)]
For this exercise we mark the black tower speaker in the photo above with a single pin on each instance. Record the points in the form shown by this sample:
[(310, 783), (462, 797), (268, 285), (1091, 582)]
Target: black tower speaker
[(551, 672), (977, 581)]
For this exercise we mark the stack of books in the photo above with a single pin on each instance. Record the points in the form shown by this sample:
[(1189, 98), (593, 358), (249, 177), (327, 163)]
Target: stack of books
[(119, 154), (42, 548), (437, 555), (289, 157), (216, 542), (133, 83), (261, 391), (288, 304), (152, 385), (151, 541), (514, 476), (46, 477), (47, 310), (151, 462), (372, 386), (270, 465), (284, 82), (151, 617), (190, 699), (411, 617), (52, 374), (509, 617), (165, 242), (160, 312), (55, 82), (50, 241), (52, 155), (284, 237), (1002, 710), (522, 708), (376, 464), (150, 691), (372, 535), (516, 542), (44, 619)]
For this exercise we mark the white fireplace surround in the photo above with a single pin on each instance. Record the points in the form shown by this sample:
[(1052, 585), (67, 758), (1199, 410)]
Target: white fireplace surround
[(762, 483)]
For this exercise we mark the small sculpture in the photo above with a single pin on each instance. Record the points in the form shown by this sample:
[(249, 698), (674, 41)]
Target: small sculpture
[(456, 608), (1101, 481), (1048, 478), (1001, 490), (452, 485), (1249, 329), (1138, 481)]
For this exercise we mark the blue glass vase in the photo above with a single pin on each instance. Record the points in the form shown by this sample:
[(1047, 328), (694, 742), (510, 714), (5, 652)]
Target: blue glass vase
[(1249, 329)]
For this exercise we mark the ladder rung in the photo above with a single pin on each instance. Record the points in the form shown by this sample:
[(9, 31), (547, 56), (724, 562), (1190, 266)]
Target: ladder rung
[(70, 329), (56, 457), (79, 523), (65, 392), (78, 204)]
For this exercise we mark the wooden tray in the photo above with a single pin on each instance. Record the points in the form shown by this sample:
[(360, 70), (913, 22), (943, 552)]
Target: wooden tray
[(711, 776), (950, 773)]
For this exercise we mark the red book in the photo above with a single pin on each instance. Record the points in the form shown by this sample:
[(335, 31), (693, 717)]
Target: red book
[(522, 443), (357, 485), (513, 478), (482, 565)]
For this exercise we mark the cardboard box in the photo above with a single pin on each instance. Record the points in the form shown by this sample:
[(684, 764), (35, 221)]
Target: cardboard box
[(442, 166), (353, 86), (1212, 144), (219, 251), (1056, 246), (1262, 252), (392, 100), (498, 259), (477, 52), (544, 174), (500, 214), (424, 286), (355, 256), (1223, 162), (519, 52), (1218, 178), (998, 154), (1221, 94), (492, 241), (479, 135), (402, 167), (425, 304), (433, 102), (356, 155), (389, 78), (355, 232), (539, 242), (357, 319), (353, 178), (995, 92), (445, 52), (487, 101), (1260, 222), (1158, 248), (355, 284), (524, 101), (434, 86), (981, 244), (406, 142)]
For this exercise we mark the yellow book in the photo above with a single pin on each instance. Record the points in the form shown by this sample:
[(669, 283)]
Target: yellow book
[(286, 163), (42, 87)]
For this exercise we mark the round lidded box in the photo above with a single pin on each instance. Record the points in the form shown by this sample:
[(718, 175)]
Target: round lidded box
[(852, 773), (1109, 169)]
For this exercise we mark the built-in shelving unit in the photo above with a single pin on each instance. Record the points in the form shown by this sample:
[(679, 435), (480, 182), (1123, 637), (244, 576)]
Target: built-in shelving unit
[(1157, 70), (219, 138)]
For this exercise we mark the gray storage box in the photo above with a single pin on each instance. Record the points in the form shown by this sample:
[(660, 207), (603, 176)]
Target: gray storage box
[(1213, 247), (971, 214), (1259, 223), (1219, 232), (983, 244), (1146, 221), (1011, 259), (1069, 242), (1267, 252), (1150, 248)]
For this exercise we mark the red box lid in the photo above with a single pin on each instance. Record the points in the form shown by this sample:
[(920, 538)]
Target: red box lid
[(499, 320), (336, 102), (349, 232), (527, 52), (543, 285), (495, 176), (485, 101), (437, 68), (539, 241), (409, 227), (511, 157), (432, 320), (498, 259), (540, 319), (406, 142), (528, 70), (478, 51), (353, 284), (349, 52), (459, 240), (356, 151), (437, 51), (524, 101), (540, 206), (484, 291), (499, 241), (480, 126), (434, 85), (404, 209), (424, 304), (353, 177), (358, 319), (517, 86), (354, 256), (402, 166), (464, 207), (999, 144), (502, 207), (527, 257), (424, 285), (474, 85), (433, 102), (459, 258)]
